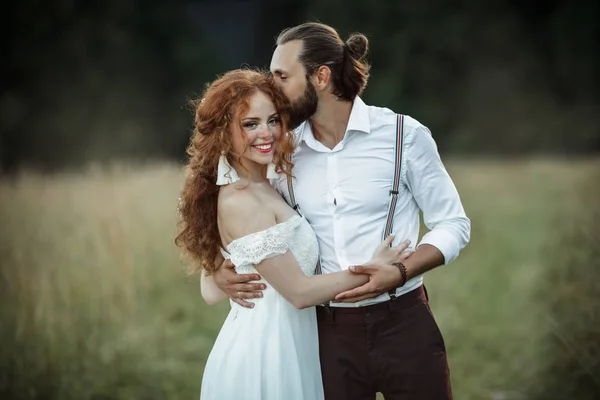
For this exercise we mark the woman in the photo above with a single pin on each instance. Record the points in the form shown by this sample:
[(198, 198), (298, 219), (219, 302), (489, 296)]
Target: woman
[(229, 209)]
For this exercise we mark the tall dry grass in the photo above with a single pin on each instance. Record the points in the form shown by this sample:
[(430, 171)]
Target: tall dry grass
[(95, 303), (570, 291)]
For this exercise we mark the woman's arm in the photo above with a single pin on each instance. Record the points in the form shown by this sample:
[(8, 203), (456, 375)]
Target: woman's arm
[(302, 291), (284, 274)]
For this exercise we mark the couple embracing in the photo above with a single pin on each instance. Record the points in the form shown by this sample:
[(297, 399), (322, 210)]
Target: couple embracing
[(300, 206)]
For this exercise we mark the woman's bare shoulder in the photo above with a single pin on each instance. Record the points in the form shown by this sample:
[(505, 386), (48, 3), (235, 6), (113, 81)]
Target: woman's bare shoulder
[(241, 213)]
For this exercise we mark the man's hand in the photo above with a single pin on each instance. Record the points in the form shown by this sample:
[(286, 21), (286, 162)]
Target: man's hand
[(237, 286), (382, 278)]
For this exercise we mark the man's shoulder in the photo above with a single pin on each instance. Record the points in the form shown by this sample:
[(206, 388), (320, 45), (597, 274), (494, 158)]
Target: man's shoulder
[(383, 117), (380, 117)]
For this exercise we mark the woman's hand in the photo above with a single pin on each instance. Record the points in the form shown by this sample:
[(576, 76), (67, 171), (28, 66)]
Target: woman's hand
[(387, 254), (383, 275)]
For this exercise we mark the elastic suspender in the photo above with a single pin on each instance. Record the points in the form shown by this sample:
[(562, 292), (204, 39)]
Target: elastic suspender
[(292, 197), (395, 183), (296, 207)]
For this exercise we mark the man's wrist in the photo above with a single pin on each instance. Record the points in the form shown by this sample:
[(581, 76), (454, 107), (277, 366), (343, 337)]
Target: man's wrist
[(403, 273)]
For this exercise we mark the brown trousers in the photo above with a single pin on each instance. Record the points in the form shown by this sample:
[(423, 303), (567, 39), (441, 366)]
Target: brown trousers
[(393, 347)]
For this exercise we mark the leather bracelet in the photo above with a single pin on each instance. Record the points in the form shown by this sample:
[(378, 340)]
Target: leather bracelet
[(402, 269)]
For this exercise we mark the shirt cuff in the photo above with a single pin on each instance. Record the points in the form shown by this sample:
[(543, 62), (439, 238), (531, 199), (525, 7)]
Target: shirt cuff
[(445, 242)]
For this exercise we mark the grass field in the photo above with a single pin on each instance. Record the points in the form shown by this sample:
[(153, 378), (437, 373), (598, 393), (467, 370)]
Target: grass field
[(95, 303)]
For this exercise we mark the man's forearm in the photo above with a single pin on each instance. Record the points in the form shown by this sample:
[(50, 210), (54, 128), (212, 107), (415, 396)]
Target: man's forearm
[(425, 258)]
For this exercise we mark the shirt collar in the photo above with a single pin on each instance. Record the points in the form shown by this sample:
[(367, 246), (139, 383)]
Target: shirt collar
[(359, 117), (358, 122)]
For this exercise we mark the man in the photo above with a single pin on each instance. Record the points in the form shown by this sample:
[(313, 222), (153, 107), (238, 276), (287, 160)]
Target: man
[(380, 337)]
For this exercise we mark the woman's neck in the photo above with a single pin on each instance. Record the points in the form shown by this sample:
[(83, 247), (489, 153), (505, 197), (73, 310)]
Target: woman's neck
[(251, 171)]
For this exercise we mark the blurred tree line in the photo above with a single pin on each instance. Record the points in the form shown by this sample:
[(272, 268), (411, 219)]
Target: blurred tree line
[(90, 81)]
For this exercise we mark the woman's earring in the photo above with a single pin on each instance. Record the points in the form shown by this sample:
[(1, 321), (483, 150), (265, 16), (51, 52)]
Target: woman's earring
[(271, 171), (225, 172)]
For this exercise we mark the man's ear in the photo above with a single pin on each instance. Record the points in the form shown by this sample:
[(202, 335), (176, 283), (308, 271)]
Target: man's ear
[(321, 78)]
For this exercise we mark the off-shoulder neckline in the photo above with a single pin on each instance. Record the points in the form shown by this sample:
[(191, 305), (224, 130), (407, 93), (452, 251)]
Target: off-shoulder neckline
[(287, 221)]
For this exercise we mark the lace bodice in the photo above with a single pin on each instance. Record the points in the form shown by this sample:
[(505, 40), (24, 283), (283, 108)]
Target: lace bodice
[(295, 235)]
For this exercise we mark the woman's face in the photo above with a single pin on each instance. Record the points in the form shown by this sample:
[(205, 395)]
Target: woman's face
[(261, 130)]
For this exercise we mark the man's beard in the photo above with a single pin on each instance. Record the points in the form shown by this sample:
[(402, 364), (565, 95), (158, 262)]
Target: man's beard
[(304, 107)]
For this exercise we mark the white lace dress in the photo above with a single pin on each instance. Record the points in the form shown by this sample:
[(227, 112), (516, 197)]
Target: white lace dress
[(269, 352)]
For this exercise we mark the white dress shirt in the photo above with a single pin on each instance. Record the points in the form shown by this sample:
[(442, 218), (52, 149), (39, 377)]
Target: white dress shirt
[(344, 192)]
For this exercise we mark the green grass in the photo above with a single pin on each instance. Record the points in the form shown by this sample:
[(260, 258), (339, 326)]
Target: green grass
[(95, 303)]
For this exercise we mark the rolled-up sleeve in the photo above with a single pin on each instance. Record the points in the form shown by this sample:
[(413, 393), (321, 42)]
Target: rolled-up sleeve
[(435, 194)]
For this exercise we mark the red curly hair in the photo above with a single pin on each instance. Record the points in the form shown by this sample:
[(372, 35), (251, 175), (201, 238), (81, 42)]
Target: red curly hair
[(225, 101)]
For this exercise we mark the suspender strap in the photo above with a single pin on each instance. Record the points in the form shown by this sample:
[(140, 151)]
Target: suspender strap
[(395, 183), (296, 207), (291, 192), (318, 269)]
